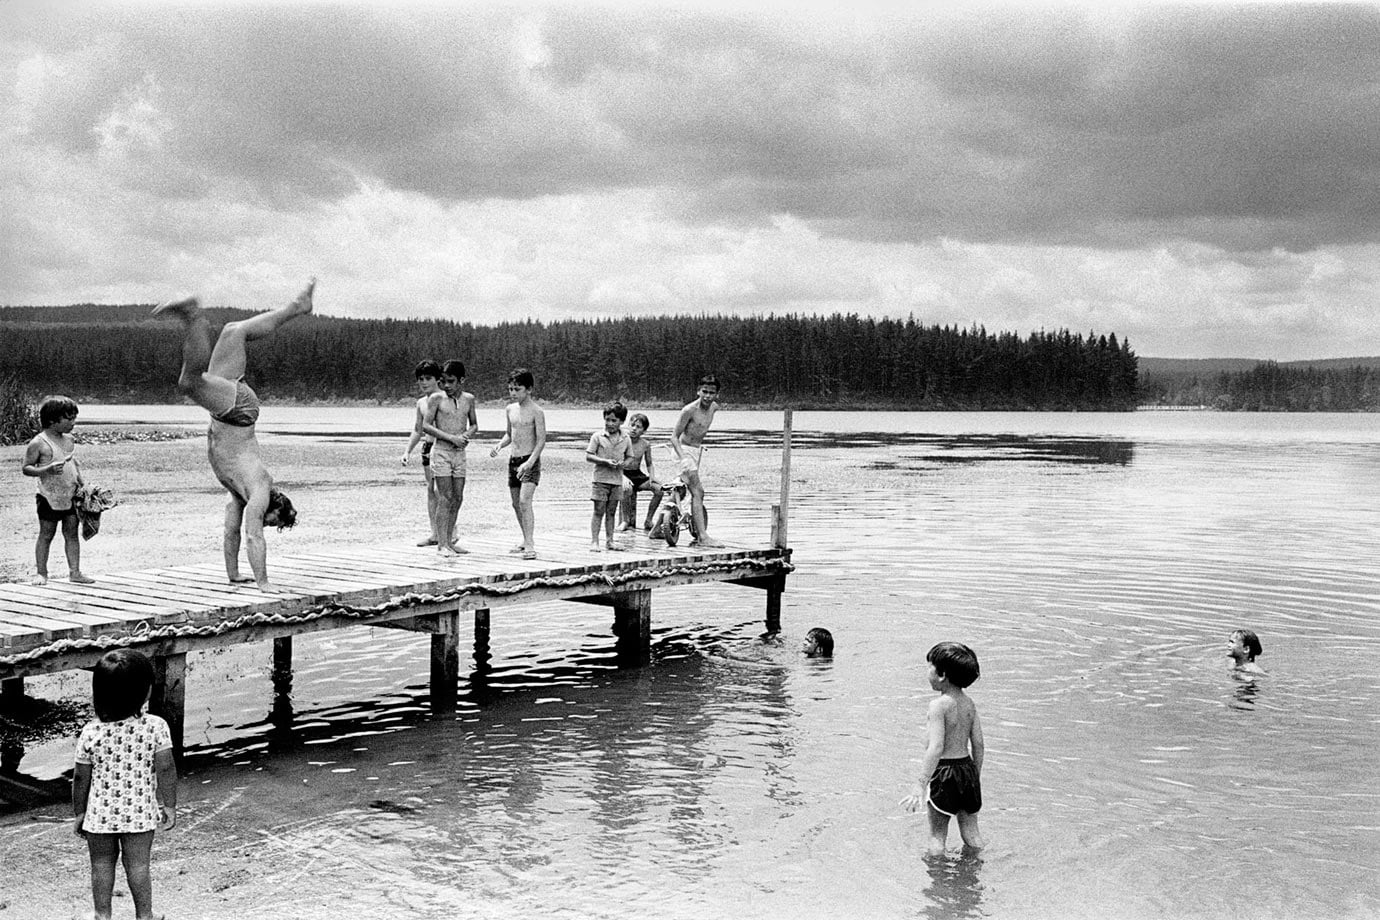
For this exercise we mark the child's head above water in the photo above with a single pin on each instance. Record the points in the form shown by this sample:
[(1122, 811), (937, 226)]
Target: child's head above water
[(1245, 646), (954, 661), (120, 684), (819, 643)]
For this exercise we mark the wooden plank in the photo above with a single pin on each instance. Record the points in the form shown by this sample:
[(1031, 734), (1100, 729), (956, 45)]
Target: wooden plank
[(60, 602), (131, 598)]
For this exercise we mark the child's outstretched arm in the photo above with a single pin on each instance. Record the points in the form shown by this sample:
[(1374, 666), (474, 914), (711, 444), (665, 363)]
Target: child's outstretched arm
[(165, 769), (507, 435), (81, 793), (933, 751)]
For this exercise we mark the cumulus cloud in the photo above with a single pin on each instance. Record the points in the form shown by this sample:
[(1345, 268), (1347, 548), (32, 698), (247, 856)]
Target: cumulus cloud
[(1174, 172)]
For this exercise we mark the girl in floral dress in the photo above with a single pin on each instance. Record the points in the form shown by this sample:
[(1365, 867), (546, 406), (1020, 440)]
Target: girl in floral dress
[(124, 786)]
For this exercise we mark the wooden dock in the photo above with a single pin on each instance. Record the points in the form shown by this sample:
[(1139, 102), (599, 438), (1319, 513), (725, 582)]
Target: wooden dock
[(169, 612)]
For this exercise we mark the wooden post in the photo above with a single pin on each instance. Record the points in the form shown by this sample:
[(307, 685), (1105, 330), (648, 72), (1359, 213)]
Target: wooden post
[(169, 697), (12, 693), (774, 591), (282, 658), (481, 639), (632, 624), (781, 514), (445, 662)]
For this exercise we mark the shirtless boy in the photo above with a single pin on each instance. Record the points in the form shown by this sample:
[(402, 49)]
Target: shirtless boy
[(214, 378), (1244, 649), (428, 374), (950, 774), (526, 432), (640, 455), (688, 442), (450, 419)]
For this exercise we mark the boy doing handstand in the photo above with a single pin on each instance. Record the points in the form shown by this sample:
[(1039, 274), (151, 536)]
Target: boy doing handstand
[(526, 431), (214, 379), (951, 772), (450, 419)]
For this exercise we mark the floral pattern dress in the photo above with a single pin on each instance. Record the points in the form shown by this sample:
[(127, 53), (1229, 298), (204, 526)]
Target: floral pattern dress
[(123, 796)]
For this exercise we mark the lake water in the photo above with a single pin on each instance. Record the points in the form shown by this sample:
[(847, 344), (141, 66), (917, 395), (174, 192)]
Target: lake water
[(1096, 563)]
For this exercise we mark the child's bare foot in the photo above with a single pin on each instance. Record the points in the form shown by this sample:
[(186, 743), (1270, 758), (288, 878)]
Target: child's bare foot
[(302, 304), (186, 307), (594, 546), (77, 578), (459, 550), (446, 552), (529, 554), (40, 580), (518, 549), (612, 547), (429, 541), (624, 527)]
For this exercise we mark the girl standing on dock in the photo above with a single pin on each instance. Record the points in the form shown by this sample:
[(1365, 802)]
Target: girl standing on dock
[(124, 785)]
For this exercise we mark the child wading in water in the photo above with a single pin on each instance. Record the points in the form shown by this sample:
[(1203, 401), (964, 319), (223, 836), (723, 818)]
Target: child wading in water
[(124, 786), (51, 457), (950, 776)]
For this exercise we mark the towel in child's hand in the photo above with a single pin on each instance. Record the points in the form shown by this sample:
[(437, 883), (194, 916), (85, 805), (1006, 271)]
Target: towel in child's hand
[(90, 502)]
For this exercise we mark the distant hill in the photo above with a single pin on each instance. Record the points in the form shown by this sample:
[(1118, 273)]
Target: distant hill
[(1213, 366)]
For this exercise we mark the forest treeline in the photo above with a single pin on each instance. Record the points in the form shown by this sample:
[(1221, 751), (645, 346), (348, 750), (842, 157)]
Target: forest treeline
[(840, 361), (1270, 387)]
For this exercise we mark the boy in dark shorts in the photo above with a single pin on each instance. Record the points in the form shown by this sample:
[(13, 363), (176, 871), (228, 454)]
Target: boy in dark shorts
[(526, 431), (950, 775), (50, 458), (640, 456)]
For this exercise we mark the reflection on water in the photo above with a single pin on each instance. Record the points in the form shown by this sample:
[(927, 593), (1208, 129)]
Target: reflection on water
[(1097, 578)]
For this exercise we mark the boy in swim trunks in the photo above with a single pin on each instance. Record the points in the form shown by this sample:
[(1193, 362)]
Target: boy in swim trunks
[(641, 454), (450, 419), (608, 450), (428, 374), (213, 376), (50, 457), (688, 443), (950, 773), (526, 431)]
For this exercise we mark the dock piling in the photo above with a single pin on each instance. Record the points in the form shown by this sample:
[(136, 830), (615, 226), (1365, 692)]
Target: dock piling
[(169, 697), (445, 662), (632, 625)]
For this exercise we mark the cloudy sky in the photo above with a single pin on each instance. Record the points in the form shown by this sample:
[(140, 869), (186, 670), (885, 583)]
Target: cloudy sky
[(1202, 179)]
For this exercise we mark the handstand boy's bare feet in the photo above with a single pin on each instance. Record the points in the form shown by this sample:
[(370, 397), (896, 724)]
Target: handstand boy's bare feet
[(302, 305), (185, 307)]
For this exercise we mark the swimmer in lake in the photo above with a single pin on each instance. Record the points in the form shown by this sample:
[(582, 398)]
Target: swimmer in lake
[(819, 643), (213, 376), (1243, 651)]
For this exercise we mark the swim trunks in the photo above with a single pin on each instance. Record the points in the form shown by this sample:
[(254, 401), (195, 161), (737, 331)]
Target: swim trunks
[(690, 459), (533, 475), (955, 787), (426, 453), (447, 460), (636, 477), (245, 411), (46, 512)]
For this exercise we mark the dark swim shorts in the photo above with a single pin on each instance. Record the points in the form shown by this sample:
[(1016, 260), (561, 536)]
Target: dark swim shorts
[(636, 477), (47, 513), (533, 475), (426, 453), (955, 787)]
